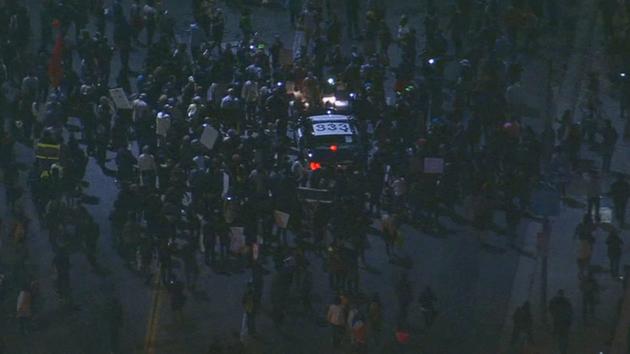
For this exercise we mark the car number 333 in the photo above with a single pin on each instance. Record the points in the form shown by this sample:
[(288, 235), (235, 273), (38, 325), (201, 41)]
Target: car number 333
[(331, 129)]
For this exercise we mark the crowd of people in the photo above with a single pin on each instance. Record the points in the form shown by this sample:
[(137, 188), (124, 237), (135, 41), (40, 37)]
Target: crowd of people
[(204, 158)]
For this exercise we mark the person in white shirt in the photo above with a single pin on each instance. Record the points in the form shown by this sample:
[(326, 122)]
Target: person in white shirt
[(139, 108), (211, 95), (249, 93), (147, 167), (162, 125)]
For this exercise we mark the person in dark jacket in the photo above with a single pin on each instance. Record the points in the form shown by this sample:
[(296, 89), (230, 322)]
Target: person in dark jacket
[(614, 243), (619, 193), (561, 312), (523, 323)]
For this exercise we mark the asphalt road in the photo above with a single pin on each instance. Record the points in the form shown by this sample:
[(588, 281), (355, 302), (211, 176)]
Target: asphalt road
[(473, 283)]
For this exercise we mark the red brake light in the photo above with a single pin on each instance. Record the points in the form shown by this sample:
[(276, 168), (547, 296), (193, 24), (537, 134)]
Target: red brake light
[(333, 147), (315, 166)]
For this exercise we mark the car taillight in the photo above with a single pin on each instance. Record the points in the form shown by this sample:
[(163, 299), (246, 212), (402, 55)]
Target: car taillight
[(333, 148), (315, 166)]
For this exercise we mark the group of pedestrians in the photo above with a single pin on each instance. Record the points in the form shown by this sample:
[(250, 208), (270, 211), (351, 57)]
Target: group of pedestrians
[(204, 161)]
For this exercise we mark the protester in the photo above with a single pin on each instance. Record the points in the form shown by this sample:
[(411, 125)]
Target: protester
[(204, 157), (561, 312), (522, 323), (615, 244)]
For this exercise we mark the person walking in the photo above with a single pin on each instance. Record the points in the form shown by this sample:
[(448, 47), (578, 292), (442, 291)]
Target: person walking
[(614, 243), (352, 18), (375, 319), (178, 298), (590, 295), (585, 252), (147, 168), (427, 304), (609, 140), (150, 14), (114, 316), (248, 328), (191, 267), (593, 192), (619, 193), (404, 293), (522, 323), (561, 312), (584, 234), (358, 331), (336, 317), (389, 228), (24, 308)]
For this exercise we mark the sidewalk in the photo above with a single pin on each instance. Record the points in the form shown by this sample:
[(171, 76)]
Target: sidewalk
[(593, 337)]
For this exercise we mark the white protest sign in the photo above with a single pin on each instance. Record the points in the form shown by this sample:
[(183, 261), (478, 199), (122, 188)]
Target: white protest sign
[(433, 165), (281, 218), (120, 99), (209, 136)]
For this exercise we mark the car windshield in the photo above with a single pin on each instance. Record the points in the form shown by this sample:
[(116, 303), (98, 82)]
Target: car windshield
[(328, 140)]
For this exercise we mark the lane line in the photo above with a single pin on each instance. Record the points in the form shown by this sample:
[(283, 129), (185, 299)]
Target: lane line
[(154, 317)]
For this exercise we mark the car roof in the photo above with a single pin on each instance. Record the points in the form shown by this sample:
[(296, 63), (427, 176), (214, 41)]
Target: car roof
[(329, 118)]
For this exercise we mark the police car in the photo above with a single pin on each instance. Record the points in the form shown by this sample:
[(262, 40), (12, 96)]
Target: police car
[(329, 140)]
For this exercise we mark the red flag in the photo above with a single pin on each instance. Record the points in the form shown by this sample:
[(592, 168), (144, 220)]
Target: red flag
[(55, 67)]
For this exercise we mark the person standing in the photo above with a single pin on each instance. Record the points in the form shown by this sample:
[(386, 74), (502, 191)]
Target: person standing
[(593, 192), (24, 308), (619, 193), (375, 318), (523, 323), (404, 292), (306, 288), (585, 252), (336, 317), (217, 29), (150, 20), (614, 243), (561, 312), (249, 94), (352, 18), (609, 139), (427, 304), (294, 11), (178, 298), (248, 328), (114, 317), (358, 329), (191, 267), (389, 228), (137, 20), (590, 294), (61, 263), (147, 167)]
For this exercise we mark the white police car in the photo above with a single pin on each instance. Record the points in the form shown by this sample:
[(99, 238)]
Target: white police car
[(329, 140)]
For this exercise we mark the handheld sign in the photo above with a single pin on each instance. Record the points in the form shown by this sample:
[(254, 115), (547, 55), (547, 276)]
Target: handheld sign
[(433, 165), (120, 99), (281, 218), (209, 136)]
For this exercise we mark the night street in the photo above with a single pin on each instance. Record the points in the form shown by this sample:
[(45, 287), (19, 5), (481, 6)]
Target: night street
[(514, 115)]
